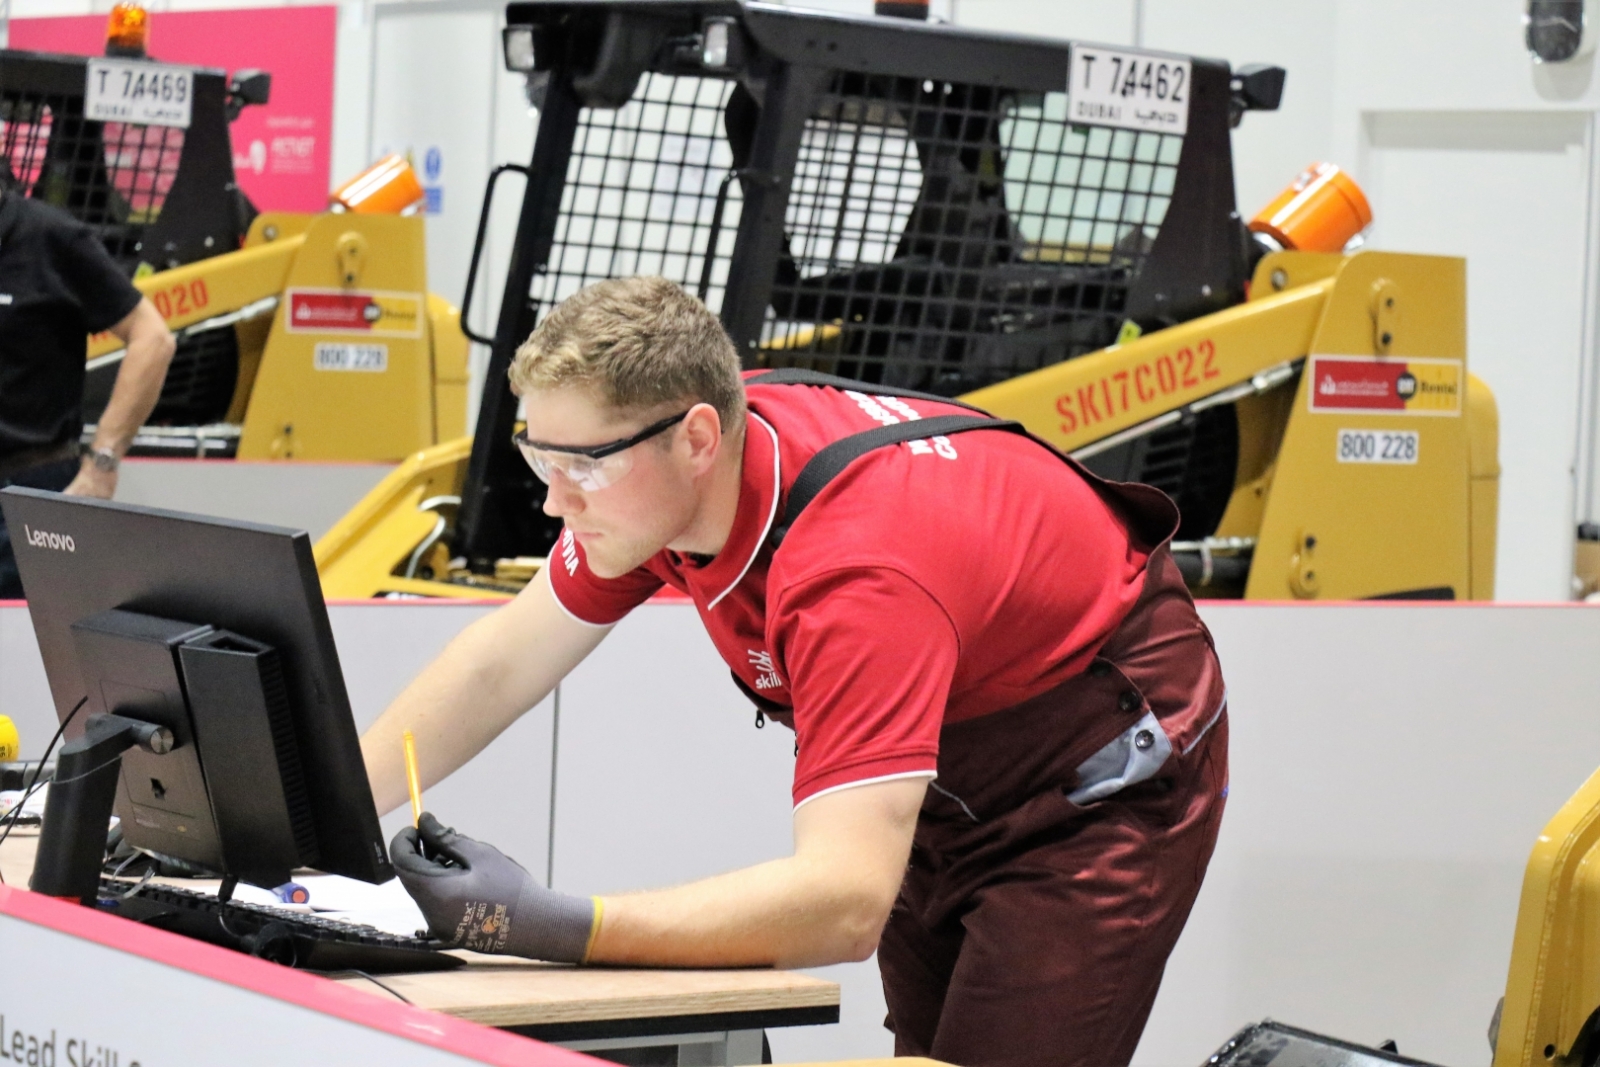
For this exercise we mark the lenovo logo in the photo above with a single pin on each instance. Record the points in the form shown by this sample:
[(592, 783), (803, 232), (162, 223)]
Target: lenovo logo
[(46, 539)]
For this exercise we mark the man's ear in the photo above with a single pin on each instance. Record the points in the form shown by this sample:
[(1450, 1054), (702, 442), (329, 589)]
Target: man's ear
[(702, 431)]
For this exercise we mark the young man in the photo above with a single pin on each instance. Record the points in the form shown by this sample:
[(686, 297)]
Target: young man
[(1010, 722), (57, 286)]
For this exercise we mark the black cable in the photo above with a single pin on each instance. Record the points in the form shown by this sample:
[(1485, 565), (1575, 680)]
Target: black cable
[(96, 769), (15, 814), (363, 974)]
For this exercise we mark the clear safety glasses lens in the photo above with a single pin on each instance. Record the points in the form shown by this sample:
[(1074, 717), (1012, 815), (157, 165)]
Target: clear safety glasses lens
[(589, 467), (584, 472)]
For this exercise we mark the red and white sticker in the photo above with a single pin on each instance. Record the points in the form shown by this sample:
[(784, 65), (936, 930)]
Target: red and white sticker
[(370, 313), (1376, 385)]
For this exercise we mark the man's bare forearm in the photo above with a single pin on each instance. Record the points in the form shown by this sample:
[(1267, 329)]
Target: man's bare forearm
[(493, 672), (139, 378), (825, 904), (455, 707), (785, 913)]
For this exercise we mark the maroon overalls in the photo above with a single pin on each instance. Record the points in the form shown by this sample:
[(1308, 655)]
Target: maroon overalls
[(1031, 930)]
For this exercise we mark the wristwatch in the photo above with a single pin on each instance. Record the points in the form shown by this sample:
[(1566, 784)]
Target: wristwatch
[(104, 459)]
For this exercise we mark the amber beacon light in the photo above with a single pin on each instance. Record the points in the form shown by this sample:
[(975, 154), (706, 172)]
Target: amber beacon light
[(388, 187), (128, 29), (1320, 211)]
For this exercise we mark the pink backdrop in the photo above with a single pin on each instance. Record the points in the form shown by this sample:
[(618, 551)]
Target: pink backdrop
[(280, 151)]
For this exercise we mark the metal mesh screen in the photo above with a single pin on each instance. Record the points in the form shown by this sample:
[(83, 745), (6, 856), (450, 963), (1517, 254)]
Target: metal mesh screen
[(649, 190), (113, 176), (947, 236)]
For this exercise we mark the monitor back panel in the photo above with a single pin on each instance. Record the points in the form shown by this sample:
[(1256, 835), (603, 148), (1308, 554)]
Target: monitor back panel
[(78, 557)]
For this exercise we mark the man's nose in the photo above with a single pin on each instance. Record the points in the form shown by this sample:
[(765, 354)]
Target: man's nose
[(561, 498)]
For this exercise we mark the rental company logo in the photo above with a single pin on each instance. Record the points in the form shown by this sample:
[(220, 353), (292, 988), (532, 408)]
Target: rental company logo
[(45, 539), (374, 314), (1375, 385)]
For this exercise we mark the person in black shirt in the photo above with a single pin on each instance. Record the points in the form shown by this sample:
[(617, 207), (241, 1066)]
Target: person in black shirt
[(58, 285)]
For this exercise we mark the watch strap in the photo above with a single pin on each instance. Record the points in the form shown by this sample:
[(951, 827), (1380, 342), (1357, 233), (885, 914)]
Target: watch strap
[(104, 459)]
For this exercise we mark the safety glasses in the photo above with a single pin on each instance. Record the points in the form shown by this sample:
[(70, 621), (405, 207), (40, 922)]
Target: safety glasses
[(589, 467)]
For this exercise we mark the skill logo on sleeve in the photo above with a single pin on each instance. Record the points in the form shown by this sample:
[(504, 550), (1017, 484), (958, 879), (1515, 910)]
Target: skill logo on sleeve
[(569, 552), (1379, 385), (766, 673)]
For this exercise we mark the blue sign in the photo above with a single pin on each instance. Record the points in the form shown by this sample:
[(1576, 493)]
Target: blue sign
[(435, 202), (433, 163)]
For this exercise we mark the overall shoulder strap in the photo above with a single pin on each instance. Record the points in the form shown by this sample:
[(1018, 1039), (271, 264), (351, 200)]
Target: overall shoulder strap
[(799, 376), (827, 464)]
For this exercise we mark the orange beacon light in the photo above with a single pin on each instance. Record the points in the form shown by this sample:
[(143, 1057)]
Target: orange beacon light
[(388, 187), (1320, 211), (128, 29)]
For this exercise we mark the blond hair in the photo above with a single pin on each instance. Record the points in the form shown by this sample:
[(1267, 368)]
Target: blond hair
[(638, 343)]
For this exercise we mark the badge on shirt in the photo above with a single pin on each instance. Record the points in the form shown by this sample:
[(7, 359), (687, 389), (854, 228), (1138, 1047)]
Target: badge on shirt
[(766, 673)]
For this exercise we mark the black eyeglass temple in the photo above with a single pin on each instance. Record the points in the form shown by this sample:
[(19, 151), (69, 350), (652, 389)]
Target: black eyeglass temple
[(608, 449)]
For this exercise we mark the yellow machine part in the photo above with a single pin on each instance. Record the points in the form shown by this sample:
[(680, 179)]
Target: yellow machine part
[(1327, 524), (1483, 426), (357, 361), (1325, 528), (1553, 987), (1337, 529), (450, 348), (346, 372), (357, 558)]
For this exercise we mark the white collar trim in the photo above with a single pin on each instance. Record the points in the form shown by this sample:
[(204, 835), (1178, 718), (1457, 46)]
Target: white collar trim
[(772, 514)]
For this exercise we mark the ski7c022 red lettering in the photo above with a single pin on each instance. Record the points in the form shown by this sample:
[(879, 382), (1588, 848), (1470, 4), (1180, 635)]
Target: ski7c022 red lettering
[(1142, 385), (181, 299)]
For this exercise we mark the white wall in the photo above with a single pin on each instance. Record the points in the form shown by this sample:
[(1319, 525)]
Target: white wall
[(436, 82), (1391, 768)]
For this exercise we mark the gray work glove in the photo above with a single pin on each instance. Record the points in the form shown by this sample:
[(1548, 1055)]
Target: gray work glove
[(474, 896)]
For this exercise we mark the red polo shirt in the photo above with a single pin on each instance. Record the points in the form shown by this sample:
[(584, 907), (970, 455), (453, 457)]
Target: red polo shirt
[(931, 582)]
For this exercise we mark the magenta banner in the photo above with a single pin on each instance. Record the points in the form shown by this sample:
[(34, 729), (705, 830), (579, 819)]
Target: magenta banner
[(281, 151)]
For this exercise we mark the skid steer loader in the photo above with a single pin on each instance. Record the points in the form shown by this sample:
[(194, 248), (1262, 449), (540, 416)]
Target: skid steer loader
[(1046, 229), (299, 336)]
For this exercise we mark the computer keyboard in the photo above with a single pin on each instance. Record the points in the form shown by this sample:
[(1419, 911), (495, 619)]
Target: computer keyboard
[(309, 942)]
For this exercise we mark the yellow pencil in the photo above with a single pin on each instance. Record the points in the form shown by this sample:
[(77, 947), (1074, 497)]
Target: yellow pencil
[(413, 779)]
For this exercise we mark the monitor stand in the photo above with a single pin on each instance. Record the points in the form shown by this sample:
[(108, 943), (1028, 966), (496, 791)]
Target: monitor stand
[(80, 800), (192, 745)]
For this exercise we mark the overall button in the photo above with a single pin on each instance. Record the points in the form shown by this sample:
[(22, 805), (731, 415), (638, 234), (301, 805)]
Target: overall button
[(1099, 668), (1130, 700), (1143, 739)]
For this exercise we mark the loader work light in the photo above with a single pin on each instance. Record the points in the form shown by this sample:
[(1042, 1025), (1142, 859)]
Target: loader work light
[(719, 44), (517, 43)]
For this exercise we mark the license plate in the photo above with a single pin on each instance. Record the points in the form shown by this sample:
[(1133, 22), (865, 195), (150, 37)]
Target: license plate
[(1130, 90), (147, 94), (1378, 446), (330, 356)]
